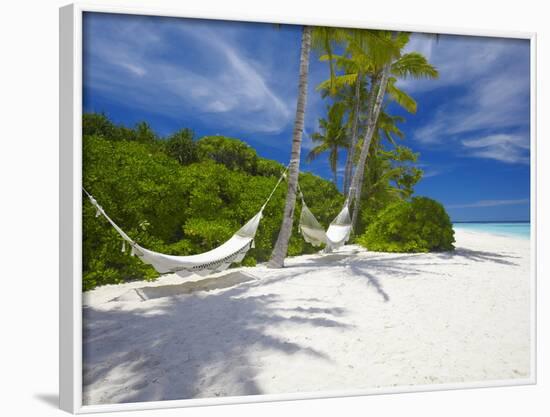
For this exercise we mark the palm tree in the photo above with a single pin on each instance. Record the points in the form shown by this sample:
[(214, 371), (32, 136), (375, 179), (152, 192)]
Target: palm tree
[(391, 174), (320, 38), (281, 246), (331, 138), (383, 79), (356, 65), (354, 98)]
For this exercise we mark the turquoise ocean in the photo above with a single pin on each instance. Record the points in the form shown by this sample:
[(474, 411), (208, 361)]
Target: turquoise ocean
[(512, 229)]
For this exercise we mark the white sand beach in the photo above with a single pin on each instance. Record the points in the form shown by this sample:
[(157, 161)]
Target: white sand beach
[(348, 320)]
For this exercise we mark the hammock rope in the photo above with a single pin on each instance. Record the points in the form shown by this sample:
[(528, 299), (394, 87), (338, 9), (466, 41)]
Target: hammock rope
[(215, 260), (337, 234)]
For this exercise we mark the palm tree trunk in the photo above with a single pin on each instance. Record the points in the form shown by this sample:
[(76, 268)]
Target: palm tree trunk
[(281, 246), (357, 183), (374, 83), (351, 150)]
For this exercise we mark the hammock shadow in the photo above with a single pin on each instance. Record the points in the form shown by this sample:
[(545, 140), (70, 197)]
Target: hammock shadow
[(322, 260), (205, 344), (230, 279)]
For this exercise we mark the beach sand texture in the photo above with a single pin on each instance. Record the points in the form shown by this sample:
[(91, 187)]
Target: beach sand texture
[(327, 322)]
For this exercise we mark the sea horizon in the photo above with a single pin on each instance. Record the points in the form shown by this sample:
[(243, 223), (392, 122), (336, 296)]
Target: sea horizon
[(513, 228), (491, 221)]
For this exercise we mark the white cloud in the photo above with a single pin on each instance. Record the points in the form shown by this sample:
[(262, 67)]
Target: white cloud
[(502, 147), (134, 69), (497, 101), (491, 203), (433, 169), (307, 143), (459, 59), (431, 173), (228, 90), (421, 42), (490, 98)]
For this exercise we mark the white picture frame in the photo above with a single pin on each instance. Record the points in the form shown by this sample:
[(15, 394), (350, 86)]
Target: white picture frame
[(70, 342)]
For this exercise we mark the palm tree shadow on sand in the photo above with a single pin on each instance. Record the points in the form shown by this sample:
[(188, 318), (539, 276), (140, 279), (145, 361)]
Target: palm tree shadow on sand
[(195, 342), (397, 266), (191, 344), (479, 256)]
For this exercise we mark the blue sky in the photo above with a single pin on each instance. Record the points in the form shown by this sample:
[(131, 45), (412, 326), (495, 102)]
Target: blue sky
[(471, 129)]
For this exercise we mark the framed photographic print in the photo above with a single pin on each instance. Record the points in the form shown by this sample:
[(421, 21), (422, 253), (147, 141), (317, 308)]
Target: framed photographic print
[(271, 210)]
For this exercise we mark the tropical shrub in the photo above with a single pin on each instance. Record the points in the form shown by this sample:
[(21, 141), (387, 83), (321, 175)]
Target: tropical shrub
[(182, 147), (180, 208), (232, 153), (98, 124), (390, 177), (418, 225)]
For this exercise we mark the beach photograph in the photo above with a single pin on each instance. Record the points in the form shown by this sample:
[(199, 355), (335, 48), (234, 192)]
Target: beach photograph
[(273, 209)]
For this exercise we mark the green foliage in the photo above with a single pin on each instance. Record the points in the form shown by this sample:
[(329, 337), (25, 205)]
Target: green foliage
[(324, 201), (419, 225), (182, 147), (390, 177), (98, 124), (331, 136), (233, 153), (144, 133), (141, 190), (413, 65), (268, 168), (180, 206)]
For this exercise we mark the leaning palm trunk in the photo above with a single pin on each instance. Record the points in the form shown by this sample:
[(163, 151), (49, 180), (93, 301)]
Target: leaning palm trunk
[(353, 143), (281, 247), (357, 183), (374, 82)]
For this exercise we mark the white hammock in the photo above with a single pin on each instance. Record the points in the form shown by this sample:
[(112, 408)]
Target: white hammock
[(309, 227), (215, 260), (337, 234)]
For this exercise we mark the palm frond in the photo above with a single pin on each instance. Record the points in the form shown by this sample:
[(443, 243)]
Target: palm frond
[(339, 81), (414, 65), (316, 151), (400, 97)]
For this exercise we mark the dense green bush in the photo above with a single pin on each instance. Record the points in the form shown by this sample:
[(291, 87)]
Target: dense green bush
[(232, 153), (181, 208), (390, 177), (182, 147), (97, 124), (418, 225)]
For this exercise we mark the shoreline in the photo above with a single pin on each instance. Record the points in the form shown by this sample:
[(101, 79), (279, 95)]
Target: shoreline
[(348, 320), (493, 234)]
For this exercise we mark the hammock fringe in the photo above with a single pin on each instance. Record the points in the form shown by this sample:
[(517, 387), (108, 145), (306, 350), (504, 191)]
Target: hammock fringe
[(215, 260), (337, 234)]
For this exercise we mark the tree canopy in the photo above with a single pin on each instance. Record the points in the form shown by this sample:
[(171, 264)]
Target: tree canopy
[(179, 195)]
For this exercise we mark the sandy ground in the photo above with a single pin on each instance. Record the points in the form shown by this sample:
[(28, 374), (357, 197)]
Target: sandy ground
[(347, 320)]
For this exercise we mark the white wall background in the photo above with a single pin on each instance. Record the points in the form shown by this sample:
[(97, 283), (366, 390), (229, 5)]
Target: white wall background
[(29, 208)]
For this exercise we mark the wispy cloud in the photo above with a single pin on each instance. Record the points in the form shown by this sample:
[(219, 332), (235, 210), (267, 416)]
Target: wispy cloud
[(486, 82), (459, 59), (431, 173), (307, 142), (502, 147), (433, 170), (212, 78), (490, 203), (493, 102)]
